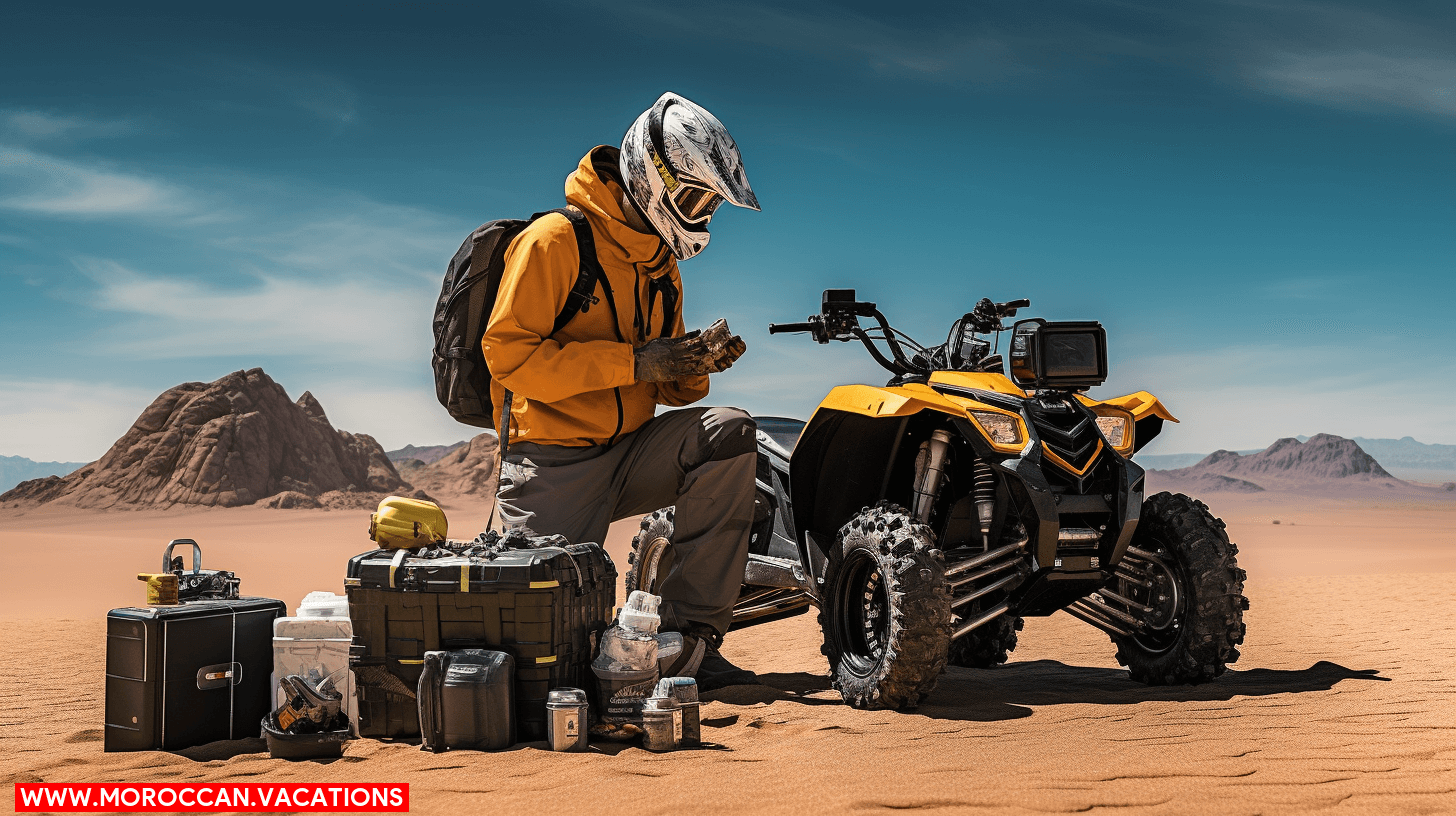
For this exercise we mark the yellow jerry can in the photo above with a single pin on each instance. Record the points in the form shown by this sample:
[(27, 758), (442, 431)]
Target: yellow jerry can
[(161, 587), (401, 524)]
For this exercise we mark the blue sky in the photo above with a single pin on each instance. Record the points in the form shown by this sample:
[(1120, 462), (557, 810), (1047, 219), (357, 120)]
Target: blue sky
[(1255, 198)]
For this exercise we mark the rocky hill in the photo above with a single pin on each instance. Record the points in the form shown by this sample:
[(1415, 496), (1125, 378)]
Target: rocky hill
[(469, 470), (1287, 464), (236, 441), (424, 455)]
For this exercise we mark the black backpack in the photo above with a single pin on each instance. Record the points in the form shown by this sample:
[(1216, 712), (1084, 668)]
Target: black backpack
[(472, 280)]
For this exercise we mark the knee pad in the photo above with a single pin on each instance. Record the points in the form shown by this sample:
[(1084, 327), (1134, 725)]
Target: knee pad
[(729, 432)]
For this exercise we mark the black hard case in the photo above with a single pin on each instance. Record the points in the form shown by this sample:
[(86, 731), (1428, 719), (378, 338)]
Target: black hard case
[(544, 607), (167, 672)]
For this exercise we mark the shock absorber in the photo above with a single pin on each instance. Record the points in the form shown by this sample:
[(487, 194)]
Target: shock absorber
[(929, 467), (983, 490)]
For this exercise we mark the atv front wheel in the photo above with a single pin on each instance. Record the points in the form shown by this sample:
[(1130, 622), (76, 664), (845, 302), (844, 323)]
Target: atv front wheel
[(1195, 605), (986, 646), (886, 610)]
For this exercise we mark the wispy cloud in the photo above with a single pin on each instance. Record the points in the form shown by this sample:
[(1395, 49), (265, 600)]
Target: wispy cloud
[(54, 186), (26, 125), (351, 323), (395, 415), (64, 419), (950, 49), (353, 236), (1323, 53), (325, 96), (1364, 80)]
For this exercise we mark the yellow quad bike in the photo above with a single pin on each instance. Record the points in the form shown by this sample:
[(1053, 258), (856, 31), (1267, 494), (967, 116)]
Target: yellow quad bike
[(927, 517)]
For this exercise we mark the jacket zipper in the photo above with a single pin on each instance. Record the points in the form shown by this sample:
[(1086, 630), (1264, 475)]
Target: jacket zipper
[(617, 392), (617, 328)]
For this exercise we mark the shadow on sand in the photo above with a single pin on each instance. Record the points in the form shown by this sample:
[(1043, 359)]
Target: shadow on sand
[(1008, 692)]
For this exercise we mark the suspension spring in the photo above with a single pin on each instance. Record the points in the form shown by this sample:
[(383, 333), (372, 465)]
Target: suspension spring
[(983, 490)]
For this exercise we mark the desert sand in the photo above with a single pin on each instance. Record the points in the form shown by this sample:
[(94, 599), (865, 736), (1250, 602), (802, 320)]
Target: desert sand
[(1343, 701)]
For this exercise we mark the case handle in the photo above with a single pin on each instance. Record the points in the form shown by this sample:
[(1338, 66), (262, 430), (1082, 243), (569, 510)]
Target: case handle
[(196, 555), (219, 675)]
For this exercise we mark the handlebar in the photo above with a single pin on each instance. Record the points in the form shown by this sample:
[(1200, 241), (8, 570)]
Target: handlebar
[(783, 328), (839, 320)]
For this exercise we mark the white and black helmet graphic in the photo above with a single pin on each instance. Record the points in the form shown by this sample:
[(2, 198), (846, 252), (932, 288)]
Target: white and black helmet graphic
[(679, 164)]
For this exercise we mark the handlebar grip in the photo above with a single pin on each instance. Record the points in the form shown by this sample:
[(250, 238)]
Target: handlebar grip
[(782, 328)]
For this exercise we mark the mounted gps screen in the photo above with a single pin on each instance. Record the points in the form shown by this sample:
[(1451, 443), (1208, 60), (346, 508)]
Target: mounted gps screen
[(1071, 354), (1058, 355)]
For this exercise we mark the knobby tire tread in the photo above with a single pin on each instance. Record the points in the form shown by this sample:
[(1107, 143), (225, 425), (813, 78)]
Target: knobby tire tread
[(987, 646), (918, 598), (1214, 618), (654, 524)]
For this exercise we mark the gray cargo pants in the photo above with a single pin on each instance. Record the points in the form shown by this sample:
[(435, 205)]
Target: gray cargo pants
[(700, 459)]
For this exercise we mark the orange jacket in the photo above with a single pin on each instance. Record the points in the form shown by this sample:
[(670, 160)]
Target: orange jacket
[(577, 387)]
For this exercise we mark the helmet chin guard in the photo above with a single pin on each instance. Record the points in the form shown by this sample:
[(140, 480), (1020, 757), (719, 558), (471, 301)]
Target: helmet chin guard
[(679, 164)]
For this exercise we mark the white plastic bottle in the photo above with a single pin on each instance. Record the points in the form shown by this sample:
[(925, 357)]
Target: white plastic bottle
[(626, 667), (314, 644)]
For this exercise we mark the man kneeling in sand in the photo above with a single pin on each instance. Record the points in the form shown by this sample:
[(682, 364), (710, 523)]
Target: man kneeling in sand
[(584, 447)]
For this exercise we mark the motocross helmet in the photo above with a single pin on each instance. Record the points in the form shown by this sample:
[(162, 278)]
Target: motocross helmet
[(679, 164)]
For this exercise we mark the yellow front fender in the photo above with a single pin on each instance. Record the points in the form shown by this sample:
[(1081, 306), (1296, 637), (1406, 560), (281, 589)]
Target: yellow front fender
[(890, 401), (1141, 405)]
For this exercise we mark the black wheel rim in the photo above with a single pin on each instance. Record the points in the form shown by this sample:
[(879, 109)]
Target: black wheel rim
[(1167, 600), (862, 613)]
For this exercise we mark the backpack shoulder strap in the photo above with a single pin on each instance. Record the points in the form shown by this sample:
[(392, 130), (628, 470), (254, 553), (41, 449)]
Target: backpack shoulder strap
[(583, 293)]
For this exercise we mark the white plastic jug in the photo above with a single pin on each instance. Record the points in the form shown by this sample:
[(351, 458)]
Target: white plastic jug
[(640, 613), (323, 605), (315, 647)]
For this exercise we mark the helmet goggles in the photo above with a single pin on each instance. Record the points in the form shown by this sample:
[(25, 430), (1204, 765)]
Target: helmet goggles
[(694, 204)]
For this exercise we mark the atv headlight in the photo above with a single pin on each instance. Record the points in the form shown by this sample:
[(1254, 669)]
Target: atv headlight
[(999, 428), (1117, 428), (1114, 428)]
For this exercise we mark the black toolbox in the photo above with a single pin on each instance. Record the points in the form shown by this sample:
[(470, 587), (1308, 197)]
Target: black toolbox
[(545, 606), (188, 674)]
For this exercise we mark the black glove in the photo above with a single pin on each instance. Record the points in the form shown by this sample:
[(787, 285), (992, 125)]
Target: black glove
[(692, 355)]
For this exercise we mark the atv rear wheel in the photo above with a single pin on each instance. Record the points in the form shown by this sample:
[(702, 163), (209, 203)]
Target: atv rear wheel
[(652, 554), (987, 646), (1195, 617), (886, 610)]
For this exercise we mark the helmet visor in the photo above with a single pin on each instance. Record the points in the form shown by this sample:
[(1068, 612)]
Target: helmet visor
[(694, 204)]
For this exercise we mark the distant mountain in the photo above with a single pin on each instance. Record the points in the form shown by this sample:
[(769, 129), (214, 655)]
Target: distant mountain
[(17, 469), (1169, 461), (1287, 464), (1199, 483), (1408, 453), (427, 454), (1404, 458)]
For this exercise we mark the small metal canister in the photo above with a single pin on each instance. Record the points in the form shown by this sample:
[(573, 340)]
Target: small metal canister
[(566, 719), (685, 691), (661, 724)]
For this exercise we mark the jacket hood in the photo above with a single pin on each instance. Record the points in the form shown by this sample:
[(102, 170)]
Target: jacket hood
[(594, 189)]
